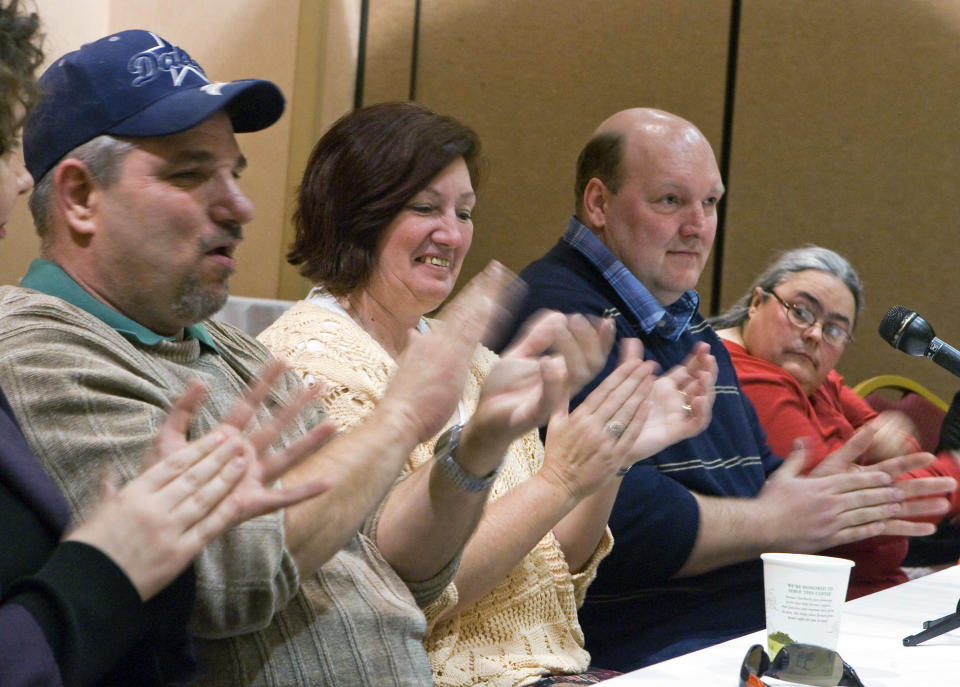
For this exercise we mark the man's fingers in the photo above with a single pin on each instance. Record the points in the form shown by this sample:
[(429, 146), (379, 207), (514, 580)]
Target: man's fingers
[(277, 463), (282, 417), (925, 507), (184, 408), (793, 464), (866, 486), (847, 455), (109, 483), (901, 464), (701, 410), (863, 502), (246, 408), (272, 499), (906, 528), (926, 486), (173, 431), (705, 361), (538, 334), (203, 482), (848, 535), (174, 463)]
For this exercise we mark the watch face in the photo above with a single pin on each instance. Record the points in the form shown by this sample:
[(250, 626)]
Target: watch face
[(448, 442), (444, 452)]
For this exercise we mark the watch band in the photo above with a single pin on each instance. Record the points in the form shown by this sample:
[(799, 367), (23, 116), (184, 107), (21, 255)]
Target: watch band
[(444, 453)]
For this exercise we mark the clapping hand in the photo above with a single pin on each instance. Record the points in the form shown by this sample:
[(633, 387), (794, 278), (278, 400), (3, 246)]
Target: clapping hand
[(840, 501), (586, 448), (681, 400), (432, 370), (192, 491), (528, 383), (894, 436)]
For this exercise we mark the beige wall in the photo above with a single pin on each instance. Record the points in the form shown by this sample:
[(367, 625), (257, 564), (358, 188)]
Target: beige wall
[(64, 23), (845, 130)]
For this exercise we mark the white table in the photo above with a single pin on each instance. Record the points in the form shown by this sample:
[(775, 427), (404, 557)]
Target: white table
[(871, 635)]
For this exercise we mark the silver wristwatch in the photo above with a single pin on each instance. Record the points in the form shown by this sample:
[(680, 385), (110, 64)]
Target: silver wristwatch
[(444, 453)]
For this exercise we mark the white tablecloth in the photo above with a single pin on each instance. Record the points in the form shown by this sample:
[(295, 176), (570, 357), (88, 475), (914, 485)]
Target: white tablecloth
[(871, 640)]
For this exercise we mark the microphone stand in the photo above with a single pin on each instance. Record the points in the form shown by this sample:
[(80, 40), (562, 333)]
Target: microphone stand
[(935, 628)]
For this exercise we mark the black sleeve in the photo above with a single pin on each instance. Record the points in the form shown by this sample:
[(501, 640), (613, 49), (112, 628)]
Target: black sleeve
[(950, 429), (92, 615)]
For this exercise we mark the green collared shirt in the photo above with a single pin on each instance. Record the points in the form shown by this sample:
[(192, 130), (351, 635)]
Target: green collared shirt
[(47, 277)]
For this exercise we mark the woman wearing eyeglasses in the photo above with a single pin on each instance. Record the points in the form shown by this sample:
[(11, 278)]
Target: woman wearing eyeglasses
[(785, 336)]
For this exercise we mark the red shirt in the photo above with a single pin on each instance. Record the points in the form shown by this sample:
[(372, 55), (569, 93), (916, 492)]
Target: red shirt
[(826, 420)]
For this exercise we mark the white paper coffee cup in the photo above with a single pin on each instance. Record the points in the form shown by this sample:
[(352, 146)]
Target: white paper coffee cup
[(804, 598)]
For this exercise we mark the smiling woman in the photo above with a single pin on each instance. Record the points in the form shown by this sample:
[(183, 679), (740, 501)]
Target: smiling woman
[(785, 336), (383, 226)]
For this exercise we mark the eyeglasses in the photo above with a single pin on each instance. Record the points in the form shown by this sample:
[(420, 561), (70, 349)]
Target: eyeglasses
[(799, 316), (805, 664)]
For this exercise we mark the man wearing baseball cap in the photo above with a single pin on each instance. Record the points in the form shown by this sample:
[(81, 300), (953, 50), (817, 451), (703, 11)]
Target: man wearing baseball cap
[(139, 211)]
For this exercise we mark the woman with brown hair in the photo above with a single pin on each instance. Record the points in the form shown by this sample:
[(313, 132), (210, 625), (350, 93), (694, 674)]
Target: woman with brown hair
[(383, 225)]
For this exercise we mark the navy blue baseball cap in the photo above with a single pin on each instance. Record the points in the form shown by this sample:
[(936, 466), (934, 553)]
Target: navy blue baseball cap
[(134, 83)]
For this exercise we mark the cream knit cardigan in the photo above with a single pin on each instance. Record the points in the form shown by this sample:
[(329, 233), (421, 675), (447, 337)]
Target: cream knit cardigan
[(526, 627)]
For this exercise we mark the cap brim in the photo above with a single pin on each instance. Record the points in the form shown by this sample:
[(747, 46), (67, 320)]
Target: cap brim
[(251, 104)]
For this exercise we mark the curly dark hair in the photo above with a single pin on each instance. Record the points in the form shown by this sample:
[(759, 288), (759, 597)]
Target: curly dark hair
[(361, 174), (20, 55)]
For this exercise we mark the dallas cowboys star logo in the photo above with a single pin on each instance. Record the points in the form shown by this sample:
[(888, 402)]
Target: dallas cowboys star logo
[(147, 65)]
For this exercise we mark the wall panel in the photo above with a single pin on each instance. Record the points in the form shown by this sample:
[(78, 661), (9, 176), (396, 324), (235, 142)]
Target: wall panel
[(390, 48), (66, 24), (846, 134)]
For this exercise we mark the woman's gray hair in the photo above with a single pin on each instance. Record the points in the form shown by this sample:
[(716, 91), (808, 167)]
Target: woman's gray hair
[(797, 260), (101, 155)]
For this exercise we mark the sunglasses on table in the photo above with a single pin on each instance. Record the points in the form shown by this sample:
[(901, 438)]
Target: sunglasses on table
[(805, 664)]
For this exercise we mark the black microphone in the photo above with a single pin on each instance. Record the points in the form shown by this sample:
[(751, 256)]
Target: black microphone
[(906, 331)]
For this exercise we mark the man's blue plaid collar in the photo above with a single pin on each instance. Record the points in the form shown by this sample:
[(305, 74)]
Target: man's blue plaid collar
[(669, 322), (47, 277)]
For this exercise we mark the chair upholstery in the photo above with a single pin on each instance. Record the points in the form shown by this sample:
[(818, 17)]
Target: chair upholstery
[(895, 392), (898, 383)]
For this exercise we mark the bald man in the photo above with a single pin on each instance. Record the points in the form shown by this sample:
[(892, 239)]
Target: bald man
[(690, 522)]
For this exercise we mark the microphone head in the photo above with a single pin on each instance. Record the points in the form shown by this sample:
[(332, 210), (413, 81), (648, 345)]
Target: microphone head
[(906, 331)]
